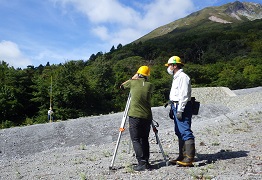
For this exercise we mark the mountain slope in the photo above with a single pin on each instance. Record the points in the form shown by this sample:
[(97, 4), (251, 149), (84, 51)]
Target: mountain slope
[(236, 12)]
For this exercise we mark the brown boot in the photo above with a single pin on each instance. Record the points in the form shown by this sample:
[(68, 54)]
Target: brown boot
[(181, 145), (190, 153)]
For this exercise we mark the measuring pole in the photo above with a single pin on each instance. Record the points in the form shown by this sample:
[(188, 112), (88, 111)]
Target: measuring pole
[(121, 129), (51, 98), (51, 92)]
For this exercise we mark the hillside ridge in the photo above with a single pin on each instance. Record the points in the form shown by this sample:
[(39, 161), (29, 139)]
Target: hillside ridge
[(235, 12)]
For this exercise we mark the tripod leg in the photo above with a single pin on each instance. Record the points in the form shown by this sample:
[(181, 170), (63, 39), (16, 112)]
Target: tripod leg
[(115, 151), (161, 149), (159, 143), (121, 129)]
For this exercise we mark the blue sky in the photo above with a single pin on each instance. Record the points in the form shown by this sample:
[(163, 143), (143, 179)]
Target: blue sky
[(34, 32)]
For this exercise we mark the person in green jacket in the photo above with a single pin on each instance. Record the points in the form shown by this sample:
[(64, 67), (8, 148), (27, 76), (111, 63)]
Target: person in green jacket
[(140, 115)]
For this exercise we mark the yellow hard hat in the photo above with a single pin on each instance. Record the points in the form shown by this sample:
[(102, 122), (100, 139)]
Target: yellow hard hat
[(174, 60), (144, 70)]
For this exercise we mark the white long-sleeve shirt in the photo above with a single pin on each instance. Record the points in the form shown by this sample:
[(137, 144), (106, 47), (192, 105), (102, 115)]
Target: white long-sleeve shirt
[(181, 89), (50, 112)]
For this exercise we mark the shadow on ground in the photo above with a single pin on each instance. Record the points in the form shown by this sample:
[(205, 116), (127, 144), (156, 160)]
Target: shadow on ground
[(205, 159)]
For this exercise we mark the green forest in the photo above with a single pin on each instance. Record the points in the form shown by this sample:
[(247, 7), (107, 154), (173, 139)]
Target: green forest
[(215, 55)]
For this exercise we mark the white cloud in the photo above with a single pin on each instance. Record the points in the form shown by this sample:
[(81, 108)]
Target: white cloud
[(125, 36), (10, 53), (56, 55), (112, 20), (161, 12), (101, 32), (102, 11), (109, 20)]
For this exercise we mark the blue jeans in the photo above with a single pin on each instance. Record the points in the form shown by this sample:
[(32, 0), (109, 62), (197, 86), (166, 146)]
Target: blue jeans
[(50, 117), (139, 132), (183, 127)]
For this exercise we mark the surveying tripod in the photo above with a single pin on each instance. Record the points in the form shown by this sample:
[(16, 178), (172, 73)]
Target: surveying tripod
[(122, 129)]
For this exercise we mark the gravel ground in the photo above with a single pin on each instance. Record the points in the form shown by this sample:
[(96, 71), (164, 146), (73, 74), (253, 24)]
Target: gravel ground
[(227, 131)]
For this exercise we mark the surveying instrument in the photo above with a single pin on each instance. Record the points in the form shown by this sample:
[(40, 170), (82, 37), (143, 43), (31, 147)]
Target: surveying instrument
[(122, 129)]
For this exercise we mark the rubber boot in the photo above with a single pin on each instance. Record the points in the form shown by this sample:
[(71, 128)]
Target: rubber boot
[(189, 153), (181, 146), (148, 165), (142, 166)]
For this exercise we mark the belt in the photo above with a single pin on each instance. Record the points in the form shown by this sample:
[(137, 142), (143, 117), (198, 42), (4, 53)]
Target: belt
[(175, 102)]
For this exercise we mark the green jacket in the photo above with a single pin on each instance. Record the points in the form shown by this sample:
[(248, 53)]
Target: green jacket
[(141, 92)]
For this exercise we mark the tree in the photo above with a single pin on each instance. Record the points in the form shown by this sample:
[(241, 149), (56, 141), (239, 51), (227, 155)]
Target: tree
[(253, 74), (119, 46), (112, 49), (70, 91), (92, 57), (232, 79)]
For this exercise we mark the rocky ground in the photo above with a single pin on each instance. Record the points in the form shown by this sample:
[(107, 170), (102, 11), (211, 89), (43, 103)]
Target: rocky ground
[(227, 131)]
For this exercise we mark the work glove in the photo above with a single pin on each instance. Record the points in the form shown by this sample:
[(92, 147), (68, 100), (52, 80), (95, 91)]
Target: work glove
[(179, 115)]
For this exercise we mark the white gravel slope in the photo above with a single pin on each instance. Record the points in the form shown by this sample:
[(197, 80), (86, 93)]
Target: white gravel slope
[(227, 131)]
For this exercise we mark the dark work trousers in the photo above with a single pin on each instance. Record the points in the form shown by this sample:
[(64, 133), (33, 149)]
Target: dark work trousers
[(139, 132), (183, 127)]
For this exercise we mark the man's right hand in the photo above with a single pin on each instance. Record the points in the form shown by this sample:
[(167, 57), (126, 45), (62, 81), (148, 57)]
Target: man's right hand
[(179, 115)]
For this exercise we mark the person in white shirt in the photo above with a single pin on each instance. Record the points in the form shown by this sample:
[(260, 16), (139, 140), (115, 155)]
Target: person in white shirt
[(50, 114), (181, 108)]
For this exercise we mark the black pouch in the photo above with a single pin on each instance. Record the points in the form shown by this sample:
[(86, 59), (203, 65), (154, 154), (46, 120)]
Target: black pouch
[(171, 114), (195, 106)]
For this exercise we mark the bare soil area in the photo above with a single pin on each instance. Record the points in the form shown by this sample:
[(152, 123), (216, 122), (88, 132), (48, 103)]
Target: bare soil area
[(228, 133)]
